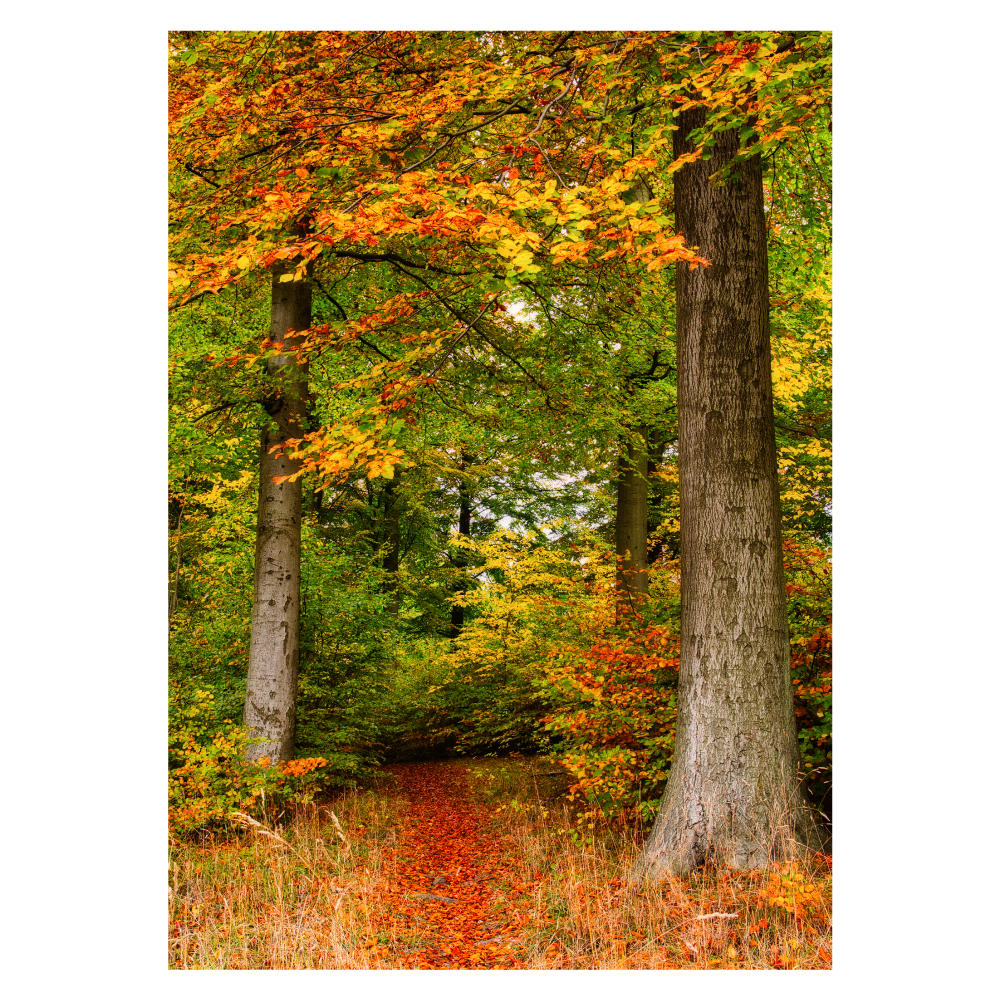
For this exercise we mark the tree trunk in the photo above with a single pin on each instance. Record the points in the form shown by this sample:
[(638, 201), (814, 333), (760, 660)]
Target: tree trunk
[(390, 561), (177, 573), (631, 516), (269, 709), (733, 792), (464, 529), (657, 494), (632, 505)]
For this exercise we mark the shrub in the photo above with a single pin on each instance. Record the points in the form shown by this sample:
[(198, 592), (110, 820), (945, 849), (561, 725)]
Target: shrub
[(209, 780), (808, 581), (614, 713)]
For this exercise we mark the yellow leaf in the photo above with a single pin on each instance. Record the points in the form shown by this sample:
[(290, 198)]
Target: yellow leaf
[(243, 263)]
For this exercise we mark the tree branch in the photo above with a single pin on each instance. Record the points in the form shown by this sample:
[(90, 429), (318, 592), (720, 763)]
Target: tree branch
[(216, 409), (198, 173), (194, 298), (340, 308), (798, 430), (475, 324), (562, 42), (377, 258), (452, 136)]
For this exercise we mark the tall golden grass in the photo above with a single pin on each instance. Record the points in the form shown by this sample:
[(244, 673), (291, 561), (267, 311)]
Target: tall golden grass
[(306, 890)]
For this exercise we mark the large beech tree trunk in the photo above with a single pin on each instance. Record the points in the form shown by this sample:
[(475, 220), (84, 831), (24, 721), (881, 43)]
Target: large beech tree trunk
[(733, 790), (631, 528), (269, 709)]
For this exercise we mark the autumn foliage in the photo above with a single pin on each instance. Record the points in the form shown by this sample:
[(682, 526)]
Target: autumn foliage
[(486, 223), (541, 665), (613, 719)]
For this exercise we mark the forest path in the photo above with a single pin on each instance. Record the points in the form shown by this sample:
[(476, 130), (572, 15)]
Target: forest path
[(445, 881)]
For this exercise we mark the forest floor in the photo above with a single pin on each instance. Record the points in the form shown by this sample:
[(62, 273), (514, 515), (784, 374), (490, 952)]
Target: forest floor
[(475, 864)]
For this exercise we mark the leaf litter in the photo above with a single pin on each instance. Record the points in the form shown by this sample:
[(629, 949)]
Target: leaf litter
[(446, 882)]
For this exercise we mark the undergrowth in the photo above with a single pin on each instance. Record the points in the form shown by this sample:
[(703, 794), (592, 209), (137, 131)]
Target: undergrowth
[(305, 887)]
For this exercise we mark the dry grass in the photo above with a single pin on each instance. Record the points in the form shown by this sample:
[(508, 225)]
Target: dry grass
[(298, 894), (584, 913), (303, 894)]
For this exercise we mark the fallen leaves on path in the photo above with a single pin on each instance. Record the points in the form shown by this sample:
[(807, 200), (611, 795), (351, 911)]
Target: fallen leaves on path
[(449, 911)]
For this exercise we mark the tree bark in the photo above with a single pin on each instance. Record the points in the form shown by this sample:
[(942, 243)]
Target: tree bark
[(733, 792), (632, 504), (464, 529), (390, 561), (657, 494), (272, 678), (177, 573), (631, 534)]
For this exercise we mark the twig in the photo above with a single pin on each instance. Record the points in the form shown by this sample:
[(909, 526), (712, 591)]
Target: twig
[(377, 258), (215, 409), (357, 52), (188, 301), (274, 159), (460, 336), (549, 162), (344, 314), (562, 42), (559, 97), (452, 136), (198, 173)]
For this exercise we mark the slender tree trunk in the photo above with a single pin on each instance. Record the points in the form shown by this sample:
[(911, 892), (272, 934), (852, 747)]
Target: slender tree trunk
[(177, 573), (631, 538), (269, 709), (390, 561), (632, 505), (464, 529), (657, 446), (733, 791)]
